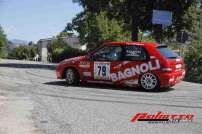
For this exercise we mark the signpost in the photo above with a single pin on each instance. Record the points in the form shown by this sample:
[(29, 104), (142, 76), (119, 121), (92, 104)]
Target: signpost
[(182, 37), (162, 17)]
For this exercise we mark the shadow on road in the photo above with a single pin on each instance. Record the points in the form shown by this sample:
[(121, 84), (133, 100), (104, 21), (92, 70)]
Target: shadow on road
[(105, 86), (21, 65)]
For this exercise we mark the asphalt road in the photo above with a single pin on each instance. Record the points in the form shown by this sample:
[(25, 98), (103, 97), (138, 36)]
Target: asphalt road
[(33, 101)]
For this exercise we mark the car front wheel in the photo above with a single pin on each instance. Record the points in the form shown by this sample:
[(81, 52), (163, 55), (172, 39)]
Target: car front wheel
[(149, 82), (71, 76)]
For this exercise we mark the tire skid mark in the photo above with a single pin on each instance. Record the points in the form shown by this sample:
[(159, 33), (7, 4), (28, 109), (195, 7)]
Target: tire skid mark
[(118, 101), (132, 95), (106, 94), (151, 95), (150, 98)]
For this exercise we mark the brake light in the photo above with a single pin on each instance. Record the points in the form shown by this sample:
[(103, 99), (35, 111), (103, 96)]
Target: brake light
[(167, 69), (178, 66)]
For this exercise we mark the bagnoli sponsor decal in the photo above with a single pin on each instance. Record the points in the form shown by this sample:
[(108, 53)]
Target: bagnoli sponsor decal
[(135, 70)]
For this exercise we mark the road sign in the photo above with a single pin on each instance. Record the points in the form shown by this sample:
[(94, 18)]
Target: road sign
[(162, 17)]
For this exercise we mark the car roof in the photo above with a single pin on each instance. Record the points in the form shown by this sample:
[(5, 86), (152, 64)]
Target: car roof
[(132, 43)]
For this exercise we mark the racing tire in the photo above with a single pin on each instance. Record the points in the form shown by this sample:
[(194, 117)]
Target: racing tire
[(149, 82), (71, 76)]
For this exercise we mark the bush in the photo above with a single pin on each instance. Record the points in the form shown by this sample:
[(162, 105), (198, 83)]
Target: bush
[(23, 53), (60, 54), (193, 61), (60, 50), (2, 42)]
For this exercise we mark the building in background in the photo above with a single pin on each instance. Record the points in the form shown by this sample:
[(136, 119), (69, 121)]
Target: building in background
[(43, 48), (72, 41)]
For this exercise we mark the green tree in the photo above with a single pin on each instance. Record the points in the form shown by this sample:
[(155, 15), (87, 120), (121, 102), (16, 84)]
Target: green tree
[(193, 22), (193, 60), (57, 45), (193, 53), (68, 31), (137, 15), (60, 50), (2, 41), (31, 43), (24, 52), (95, 29), (111, 29)]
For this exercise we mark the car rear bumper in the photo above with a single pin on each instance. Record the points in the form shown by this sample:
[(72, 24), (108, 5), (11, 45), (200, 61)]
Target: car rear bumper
[(170, 79)]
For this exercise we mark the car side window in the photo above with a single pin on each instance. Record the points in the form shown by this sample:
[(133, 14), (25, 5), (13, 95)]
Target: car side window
[(135, 52), (108, 53)]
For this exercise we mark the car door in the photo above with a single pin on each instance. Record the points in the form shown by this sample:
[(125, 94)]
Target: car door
[(134, 55), (104, 61)]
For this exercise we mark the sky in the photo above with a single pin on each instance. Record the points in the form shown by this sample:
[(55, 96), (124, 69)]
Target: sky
[(32, 20)]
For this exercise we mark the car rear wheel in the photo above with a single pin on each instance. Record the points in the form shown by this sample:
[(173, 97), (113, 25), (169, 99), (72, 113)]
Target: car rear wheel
[(149, 82), (71, 76)]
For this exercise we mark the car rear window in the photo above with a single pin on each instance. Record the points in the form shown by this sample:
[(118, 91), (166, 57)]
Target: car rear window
[(165, 51)]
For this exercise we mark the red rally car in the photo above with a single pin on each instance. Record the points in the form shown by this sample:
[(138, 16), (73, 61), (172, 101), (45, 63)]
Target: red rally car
[(148, 65)]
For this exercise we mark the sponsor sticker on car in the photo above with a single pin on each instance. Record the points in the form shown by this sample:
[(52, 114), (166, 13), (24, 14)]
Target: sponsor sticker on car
[(84, 64), (135, 70)]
